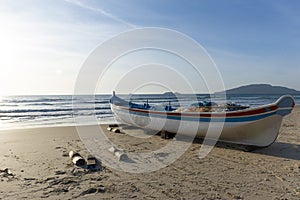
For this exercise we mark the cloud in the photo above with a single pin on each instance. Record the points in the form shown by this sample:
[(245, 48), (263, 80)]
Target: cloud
[(103, 12)]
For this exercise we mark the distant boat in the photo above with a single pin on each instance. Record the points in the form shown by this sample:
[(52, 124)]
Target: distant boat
[(257, 126)]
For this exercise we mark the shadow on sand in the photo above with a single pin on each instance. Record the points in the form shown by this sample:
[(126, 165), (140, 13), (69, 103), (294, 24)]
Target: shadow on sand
[(282, 150), (277, 149)]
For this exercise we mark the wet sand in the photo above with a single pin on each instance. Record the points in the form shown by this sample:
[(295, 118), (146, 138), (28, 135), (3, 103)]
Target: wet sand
[(34, 164)]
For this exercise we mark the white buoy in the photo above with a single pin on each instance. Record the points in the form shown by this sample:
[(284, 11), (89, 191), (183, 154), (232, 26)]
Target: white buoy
[(118, 153), (77, 159), (121, 156), (116, 130)]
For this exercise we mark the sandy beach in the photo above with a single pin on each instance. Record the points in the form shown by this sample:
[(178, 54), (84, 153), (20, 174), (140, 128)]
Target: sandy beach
[(35, 165)]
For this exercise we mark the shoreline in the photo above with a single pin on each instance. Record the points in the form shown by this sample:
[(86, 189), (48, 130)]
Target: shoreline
[(70, 125)]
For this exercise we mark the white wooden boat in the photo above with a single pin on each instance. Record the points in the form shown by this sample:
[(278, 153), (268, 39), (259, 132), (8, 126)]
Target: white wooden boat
[(252, 126)]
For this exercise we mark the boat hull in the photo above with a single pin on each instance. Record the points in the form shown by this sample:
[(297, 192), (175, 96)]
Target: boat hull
[(255, 127)]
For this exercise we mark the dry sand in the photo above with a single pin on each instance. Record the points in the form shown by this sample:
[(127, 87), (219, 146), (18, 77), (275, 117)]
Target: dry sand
[(40, 166)]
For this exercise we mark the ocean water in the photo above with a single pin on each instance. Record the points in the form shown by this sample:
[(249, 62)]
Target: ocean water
[(59, 110)]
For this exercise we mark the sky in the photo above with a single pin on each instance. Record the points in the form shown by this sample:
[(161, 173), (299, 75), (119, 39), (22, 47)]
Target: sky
[(43, 44)]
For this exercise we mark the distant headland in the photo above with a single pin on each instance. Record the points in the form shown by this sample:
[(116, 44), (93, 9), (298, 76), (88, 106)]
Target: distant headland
[(260, 89), (251, 89)]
